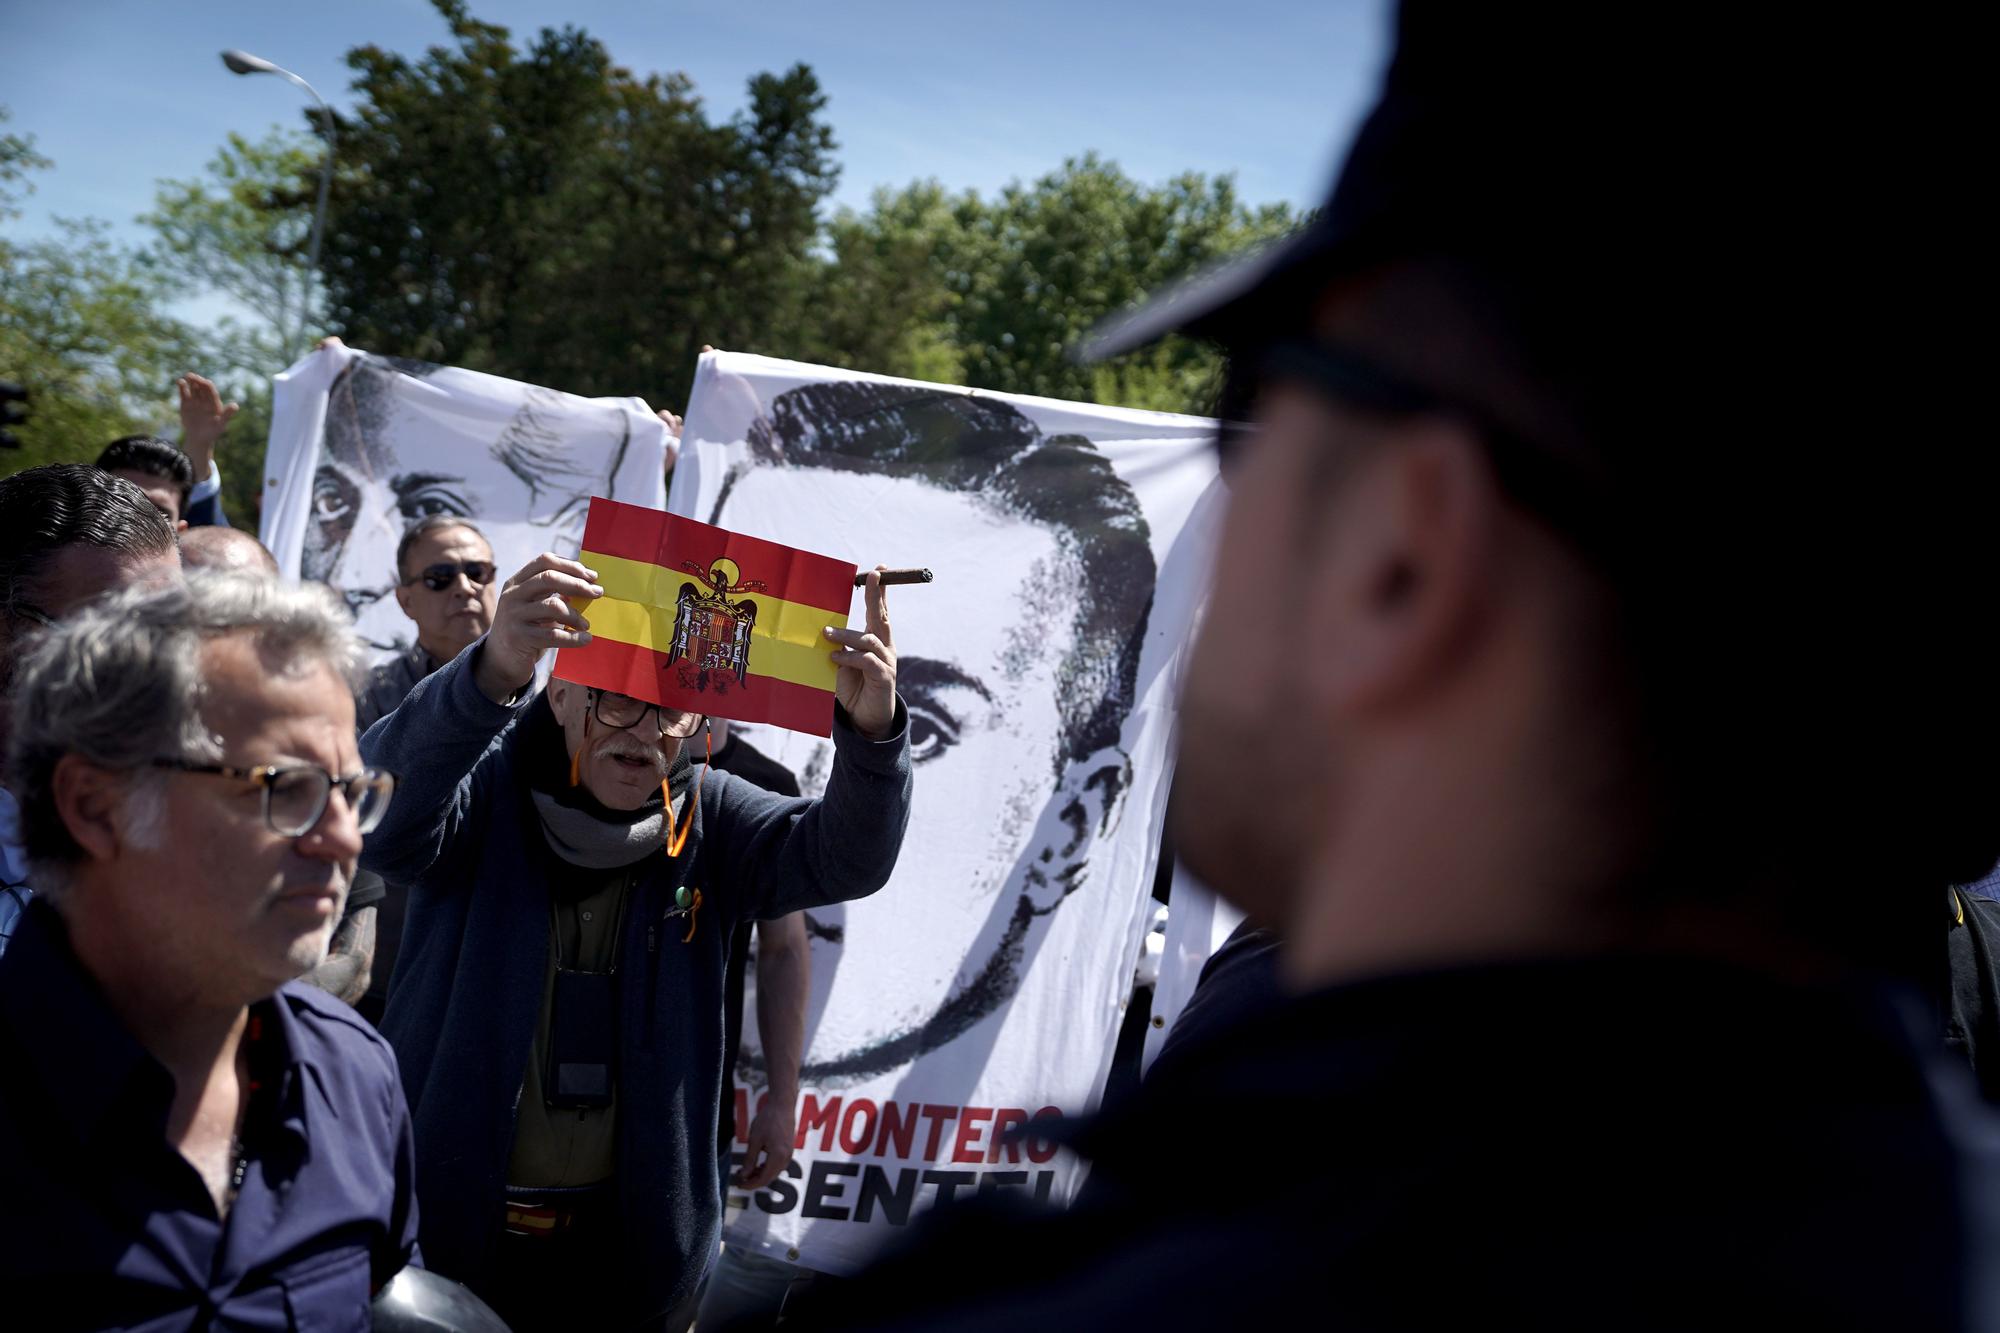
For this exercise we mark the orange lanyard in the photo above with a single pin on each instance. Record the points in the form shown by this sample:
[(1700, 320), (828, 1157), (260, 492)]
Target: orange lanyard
[(677, 839)]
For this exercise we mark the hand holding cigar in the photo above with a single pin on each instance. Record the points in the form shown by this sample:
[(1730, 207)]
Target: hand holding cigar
[(894, 577)]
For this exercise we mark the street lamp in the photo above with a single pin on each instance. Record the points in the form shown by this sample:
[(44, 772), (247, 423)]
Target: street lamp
[(242, 62)]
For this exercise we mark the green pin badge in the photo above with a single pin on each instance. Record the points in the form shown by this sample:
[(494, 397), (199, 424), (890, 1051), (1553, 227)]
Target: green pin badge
[(682, 897)]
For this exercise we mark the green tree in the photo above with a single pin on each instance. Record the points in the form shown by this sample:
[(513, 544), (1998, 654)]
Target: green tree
[(242, 231), (544, 214), (998, 292), (17, 158), (82, 327), (883, 300)]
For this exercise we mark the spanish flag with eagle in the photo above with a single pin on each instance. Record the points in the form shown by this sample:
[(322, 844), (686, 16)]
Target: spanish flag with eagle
[(708, 621)]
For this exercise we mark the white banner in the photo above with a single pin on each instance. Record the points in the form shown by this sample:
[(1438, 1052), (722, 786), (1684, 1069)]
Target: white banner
[(363, 446), (984, 985)]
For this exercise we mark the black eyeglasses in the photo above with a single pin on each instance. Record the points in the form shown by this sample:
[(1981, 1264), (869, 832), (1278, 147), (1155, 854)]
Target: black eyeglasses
[(1349, 378), (441, 576), (296, 795), (1565, 490), (619, 711)]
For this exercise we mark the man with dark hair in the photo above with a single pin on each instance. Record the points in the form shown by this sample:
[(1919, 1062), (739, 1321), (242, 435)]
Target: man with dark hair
[(198, 1139), (68, 534), (181, 481), (445, 583), (1059, 672), (1610, 740), (159, 470)]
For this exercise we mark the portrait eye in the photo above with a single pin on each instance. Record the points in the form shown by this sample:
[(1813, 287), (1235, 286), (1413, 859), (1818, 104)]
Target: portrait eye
[(430, 501), (934, 729), (333, 499)]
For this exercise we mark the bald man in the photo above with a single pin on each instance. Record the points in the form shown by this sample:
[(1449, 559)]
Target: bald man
[(226, 551)]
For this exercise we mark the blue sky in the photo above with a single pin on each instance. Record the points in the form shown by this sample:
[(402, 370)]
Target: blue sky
[(121, 93)]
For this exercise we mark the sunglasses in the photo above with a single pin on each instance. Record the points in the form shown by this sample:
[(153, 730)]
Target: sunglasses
[(1566, 490), (439, 577)]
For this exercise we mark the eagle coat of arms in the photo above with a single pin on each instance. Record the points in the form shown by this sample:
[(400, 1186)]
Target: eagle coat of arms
[(712, 622)]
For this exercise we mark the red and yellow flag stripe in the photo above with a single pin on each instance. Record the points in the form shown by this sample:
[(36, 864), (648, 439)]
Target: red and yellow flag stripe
[(640, 557)]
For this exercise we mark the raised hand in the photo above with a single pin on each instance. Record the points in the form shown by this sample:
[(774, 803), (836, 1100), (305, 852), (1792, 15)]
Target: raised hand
[(866, 685), (204, 416), (534, 615)]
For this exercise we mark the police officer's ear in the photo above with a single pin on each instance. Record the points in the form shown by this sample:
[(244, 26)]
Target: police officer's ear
[(1409, 537)]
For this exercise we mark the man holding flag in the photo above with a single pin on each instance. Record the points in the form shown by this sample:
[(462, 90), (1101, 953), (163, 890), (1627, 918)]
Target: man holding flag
[(574, 883)]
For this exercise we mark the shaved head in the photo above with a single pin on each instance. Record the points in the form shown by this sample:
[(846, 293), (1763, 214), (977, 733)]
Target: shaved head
[(227, 551)]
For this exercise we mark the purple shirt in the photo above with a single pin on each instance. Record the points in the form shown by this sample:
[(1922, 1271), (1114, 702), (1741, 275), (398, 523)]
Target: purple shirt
[(110, 1227)]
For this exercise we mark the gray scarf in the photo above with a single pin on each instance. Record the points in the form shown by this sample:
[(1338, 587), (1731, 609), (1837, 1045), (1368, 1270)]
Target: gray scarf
[(582, 839)]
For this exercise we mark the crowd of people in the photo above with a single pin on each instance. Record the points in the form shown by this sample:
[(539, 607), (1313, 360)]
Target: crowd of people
[(1584, 713)]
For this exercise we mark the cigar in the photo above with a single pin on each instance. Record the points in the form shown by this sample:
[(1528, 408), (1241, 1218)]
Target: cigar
[(894, 577)]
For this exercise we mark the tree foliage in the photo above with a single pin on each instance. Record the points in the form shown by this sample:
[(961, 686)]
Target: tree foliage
[(242, 231), (17, 159), (82, 327), (542, 213), (535, 210), (998, 293)]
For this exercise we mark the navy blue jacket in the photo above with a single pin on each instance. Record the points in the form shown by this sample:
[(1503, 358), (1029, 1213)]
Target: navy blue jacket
[(204, 510), (108, 1226), (1621, 1142), (463, 834)]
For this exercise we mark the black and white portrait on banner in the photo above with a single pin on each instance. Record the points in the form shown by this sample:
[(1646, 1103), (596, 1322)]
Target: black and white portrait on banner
[(390, 441), (1068, 543)]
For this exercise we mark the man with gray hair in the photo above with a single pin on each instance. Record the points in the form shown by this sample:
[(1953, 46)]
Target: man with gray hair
[(348, 972), (194, 1134)]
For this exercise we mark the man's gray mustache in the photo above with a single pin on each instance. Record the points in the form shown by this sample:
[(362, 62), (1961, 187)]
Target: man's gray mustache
[(634, 750)]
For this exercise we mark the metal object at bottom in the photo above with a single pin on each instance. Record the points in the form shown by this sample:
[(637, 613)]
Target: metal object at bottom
[(419, 1302)]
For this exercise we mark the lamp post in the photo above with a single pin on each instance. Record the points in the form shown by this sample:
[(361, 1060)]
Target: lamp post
[(242, 62)]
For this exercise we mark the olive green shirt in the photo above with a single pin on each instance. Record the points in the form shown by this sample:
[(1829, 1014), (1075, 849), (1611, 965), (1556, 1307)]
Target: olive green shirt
[(557, 1147)]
